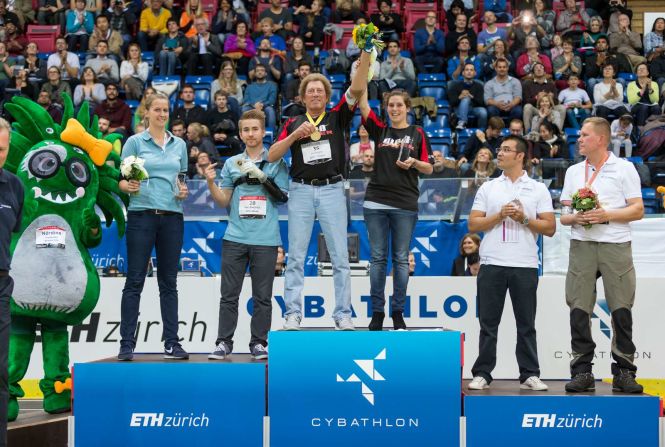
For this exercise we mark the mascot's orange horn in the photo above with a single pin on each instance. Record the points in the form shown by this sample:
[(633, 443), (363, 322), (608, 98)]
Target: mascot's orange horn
[(76, 135)]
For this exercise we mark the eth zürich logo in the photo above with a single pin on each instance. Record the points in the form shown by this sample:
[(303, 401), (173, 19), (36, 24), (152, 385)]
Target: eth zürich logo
[(367, 365)]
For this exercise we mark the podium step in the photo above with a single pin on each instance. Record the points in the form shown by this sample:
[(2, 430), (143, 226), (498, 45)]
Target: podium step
[(555, 418), (35, 427)]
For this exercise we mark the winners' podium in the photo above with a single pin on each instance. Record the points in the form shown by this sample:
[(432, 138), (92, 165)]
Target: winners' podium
[(153, 402), (555, 418), (390, 388)]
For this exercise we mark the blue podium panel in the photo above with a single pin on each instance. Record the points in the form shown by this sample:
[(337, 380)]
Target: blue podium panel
[(167, 404), (555, 421), (349, 389)]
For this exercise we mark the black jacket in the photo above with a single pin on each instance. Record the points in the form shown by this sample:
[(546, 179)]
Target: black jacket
[(476, 89)]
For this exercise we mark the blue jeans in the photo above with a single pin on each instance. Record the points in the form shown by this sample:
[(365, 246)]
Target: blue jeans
[(328, 203), (167, 63), (398, 225), (145, 231), (271, 118), (515, 112), (462, 112), (575, 119)]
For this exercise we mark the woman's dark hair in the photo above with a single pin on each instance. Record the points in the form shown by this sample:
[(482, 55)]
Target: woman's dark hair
[(551, 128), (458, 3), (238, 23), (653, 28)]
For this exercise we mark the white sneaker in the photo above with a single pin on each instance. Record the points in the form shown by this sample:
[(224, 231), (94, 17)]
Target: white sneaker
[(344, 324), (292, 322), (533, 383), (478, 383)]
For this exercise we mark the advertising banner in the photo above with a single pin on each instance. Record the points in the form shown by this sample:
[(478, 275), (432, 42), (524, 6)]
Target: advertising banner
[(554, 421), (432, 302), (367, 388), (143, 404)]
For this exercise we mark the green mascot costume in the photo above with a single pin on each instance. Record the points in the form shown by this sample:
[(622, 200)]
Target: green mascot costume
[(66, 170)]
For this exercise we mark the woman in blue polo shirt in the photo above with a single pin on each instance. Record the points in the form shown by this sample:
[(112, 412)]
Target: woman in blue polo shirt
[(154, 219)]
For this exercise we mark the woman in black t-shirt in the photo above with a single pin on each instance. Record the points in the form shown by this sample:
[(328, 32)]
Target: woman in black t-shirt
[(391, 200)]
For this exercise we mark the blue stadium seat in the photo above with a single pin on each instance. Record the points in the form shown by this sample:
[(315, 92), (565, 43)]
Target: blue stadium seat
[(355, 122), (441, 121), (651, 201), (438, 135), (627, 76), (199, 82), (336, 95), (438, 93), (432, 80), (337, 80), (571, 138), (132, 104), (202, 98), (269, 136), (463, 136), (443, 107), (375, 105)]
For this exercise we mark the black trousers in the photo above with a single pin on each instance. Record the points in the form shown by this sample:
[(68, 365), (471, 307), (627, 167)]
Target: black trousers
[(6, 289), (493, 282), (235, 259)]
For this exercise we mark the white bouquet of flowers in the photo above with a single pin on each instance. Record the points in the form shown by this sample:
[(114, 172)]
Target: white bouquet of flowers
[(132, 168)]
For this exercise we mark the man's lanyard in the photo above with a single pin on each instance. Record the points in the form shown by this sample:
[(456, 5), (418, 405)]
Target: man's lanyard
[(588, 182)]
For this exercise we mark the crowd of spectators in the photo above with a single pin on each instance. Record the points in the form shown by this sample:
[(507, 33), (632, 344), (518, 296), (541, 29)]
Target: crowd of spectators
[(545, 66)]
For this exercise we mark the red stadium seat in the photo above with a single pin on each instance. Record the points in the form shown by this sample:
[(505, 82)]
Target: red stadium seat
[(44, 36)]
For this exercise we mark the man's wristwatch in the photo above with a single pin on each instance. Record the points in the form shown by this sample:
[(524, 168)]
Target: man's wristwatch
[(525, 221)]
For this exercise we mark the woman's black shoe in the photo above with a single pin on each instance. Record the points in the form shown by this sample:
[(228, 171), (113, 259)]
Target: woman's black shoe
[(377, 321), (398, 321)]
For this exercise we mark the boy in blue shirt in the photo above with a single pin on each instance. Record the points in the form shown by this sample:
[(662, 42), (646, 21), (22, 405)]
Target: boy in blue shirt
[(252, 188)]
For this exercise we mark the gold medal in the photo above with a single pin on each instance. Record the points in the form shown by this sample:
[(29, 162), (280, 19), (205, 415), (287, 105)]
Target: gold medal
[(316, 135)]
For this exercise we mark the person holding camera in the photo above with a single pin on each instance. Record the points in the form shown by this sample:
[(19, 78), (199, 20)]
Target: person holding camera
[(252, 188), (512, 211), (391, 200)]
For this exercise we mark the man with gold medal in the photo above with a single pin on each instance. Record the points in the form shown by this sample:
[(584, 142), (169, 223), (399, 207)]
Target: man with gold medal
[(317, 141)]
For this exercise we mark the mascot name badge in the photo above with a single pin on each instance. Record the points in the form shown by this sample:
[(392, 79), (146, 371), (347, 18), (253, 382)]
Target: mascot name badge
[(50, 236)]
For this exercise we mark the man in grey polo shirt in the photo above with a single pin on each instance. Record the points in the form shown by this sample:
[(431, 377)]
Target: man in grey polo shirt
[(503, 93)]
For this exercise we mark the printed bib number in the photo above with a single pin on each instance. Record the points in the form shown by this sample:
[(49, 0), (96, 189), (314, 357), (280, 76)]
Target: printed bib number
[(50, 237), (511, 231), (252, 207), (317, 152)]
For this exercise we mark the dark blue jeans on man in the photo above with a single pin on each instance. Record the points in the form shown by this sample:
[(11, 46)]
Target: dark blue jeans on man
[(382, 225), (164, 232)]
